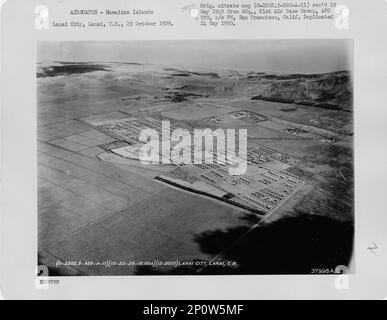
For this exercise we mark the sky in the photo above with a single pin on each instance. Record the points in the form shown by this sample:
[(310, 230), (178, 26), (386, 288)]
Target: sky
[(302, 56)]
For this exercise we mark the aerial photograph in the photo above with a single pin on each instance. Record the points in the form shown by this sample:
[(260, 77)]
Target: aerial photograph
[(250, 157)]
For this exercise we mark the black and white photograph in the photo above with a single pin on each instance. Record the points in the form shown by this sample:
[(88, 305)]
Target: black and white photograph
[(195, 157)]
